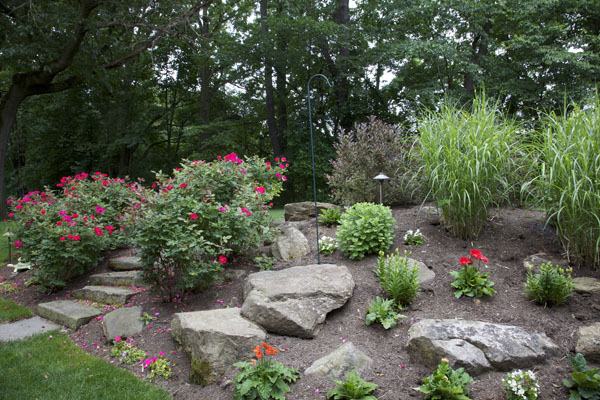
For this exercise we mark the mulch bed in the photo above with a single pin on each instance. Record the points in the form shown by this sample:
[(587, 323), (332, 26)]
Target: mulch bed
[(509, 236)]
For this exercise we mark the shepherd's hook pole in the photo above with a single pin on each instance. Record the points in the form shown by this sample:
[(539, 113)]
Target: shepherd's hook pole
[(312, 152)]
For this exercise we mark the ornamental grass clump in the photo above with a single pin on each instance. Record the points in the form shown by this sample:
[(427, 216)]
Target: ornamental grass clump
[(398, 277), (469, 160), (569, 181), (365, 228)]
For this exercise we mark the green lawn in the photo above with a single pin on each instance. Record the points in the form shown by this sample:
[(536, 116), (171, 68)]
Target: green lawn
[(11, 311), (44, 368), (277, 214)]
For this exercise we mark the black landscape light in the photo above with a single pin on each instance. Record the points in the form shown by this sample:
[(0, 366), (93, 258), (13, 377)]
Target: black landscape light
[(380, 178)]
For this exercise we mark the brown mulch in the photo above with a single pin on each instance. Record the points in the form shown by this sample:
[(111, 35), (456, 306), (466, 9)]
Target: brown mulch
[(509, 236)]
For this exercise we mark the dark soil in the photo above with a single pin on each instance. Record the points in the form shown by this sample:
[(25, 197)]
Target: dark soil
[(509, 236)]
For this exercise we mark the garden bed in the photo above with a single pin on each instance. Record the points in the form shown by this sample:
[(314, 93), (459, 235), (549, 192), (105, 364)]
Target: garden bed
[(509, 236)]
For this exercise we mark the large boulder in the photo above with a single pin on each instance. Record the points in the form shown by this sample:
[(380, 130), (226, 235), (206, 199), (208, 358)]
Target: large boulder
[(295, 301), (339, 363), (303, 210), (587, 285), (477, 346), (215, 340), (290, 245), (125, 322), (588, 342)]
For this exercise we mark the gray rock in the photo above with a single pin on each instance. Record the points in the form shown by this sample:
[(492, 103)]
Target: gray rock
[(588, 342), (295, 301), (68, 313), (535, 260), (124, 322), (291, 244), (477, 346), (119, 278), (215, 339), (303, 210), (230, 275), (426, 275), (587, 285), (25, 328), (339, 363), (104, 294), (125, 263)]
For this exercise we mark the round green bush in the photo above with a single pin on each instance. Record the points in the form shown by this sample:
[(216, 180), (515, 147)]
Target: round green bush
[(366, 228)]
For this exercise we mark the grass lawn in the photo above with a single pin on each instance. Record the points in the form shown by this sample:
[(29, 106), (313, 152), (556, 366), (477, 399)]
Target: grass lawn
[(277, 214), (11, 311), (44, 368)]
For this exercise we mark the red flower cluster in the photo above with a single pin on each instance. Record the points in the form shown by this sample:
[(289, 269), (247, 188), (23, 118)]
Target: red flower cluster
[(476, 254)]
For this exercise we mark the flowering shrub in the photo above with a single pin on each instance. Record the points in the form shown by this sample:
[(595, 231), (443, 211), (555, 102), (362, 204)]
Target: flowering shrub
[(264, 378), (468, 280), (63, 233), (521, 385), (327, 245), (365, 228), (202, 215)]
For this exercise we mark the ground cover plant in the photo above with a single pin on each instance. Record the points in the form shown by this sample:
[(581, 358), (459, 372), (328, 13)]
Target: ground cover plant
[(365, 228), (469, 159), (49, 366)]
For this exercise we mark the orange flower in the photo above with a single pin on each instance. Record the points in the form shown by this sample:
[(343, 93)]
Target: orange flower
[(268, 349), (253, 362), (258, 352)]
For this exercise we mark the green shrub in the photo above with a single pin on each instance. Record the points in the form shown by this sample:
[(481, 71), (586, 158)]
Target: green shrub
[(264, 378), (353, 388), (569, 181), (398, 280), (469, 281), (203, 214), (330, 216), (366, 228), (446, 383), (382, 311), (585, 383), (372, 148), (551, 286), (469, 160)]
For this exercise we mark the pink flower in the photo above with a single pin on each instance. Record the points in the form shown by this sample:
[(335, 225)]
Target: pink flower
[(222, 209), (284, 178), (19, 207), (18, 244), (193, 216), (104, 183), (10, 215), (62, 238), (222, 259), (278, 175), (161, 353), (465, 261), (183, 186), (69, 236), (260, 189), (283, 159), (98, 231), (277, 159), (109, 228), (476, 254), (282, 166), (76, 238), (62, 212), (43, 212), (100, 210)]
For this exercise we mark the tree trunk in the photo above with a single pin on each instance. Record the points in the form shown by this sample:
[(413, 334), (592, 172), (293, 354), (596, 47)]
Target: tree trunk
[(479, 50), (270, 98)]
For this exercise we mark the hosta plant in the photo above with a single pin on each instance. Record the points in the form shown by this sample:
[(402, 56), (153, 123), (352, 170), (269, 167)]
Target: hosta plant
[(446, 383), (551, 286), (330, 216), (584, 382), (365, 228), (383, 311), (353, 388), (327, 245), (521, 385), (263, 378), (468, 281), (398, 277)]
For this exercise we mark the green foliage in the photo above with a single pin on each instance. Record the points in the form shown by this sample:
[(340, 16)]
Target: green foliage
[(469, 160), (330, 216), (521, 385), (11, 311), (147, 318), (263, 379), (205, 212), (127, 352), (468, 281), (353, 388), (446, 383), (551, 286), (413, 238), (366, 228), (158, 366), (372, 148), (584, 382), (382, 311), (327, 245), (399, 280), (569, 182), (50, 366), (264, 262)]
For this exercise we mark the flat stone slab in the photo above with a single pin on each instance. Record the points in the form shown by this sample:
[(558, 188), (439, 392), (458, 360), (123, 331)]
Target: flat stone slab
[(119, 278), (587, 285), (339, 363), (68, 313), (477, 346), (295, 301), (588, 342), (104, 294), (216, 339), (290, 245), (129, 263), (25, 328), (124, 322)]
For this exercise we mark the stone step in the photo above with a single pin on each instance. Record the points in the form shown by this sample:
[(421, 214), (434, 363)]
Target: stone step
[(68, 313), (104, 294), (129, 263), (119, 278), (25, 328)]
